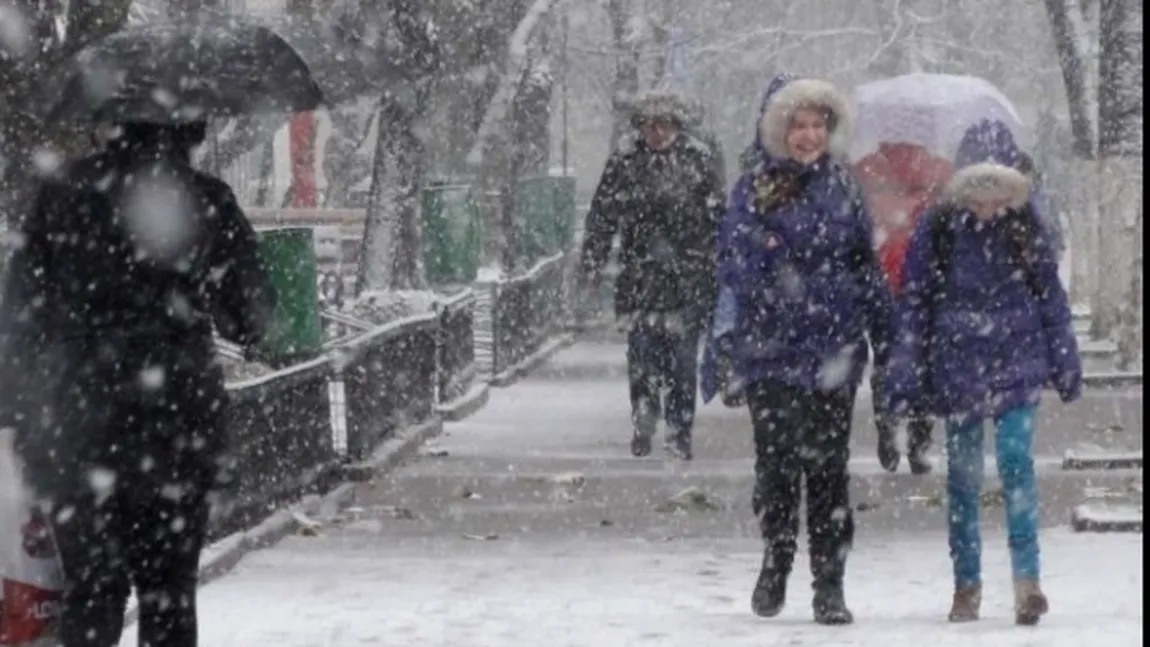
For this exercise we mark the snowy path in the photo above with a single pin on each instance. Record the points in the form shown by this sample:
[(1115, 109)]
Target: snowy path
[(454, 593), (582, 552)]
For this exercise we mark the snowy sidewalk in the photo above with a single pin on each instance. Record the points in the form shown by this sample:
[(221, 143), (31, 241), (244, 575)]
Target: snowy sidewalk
[(529, 524), (453, 593)]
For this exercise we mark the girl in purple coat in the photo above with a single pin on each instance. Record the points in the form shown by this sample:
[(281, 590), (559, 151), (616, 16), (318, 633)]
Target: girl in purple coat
[(983, 327), (804, 299)]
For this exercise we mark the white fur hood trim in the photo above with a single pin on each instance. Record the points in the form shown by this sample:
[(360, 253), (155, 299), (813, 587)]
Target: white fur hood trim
[(988, 179), (802, 93)]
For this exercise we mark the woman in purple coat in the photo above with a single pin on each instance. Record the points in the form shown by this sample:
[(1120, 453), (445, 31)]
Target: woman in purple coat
[(983, 327), (804, 298)]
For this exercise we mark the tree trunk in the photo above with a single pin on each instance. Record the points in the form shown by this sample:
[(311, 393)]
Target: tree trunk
[(1130, 332), (626, 68), (660, 21), (491, 153), (339, 154), (33, 56), (1120, 156), (1072, 44), (267, 170), (392, 243), (532, 115)]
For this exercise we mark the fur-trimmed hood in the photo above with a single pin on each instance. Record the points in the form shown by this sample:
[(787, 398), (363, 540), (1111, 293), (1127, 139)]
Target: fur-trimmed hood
[(784, 96), (989, 179), (987, 160)]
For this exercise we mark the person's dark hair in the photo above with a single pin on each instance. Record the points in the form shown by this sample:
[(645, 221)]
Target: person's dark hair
[(176, 138), (1024, 164)]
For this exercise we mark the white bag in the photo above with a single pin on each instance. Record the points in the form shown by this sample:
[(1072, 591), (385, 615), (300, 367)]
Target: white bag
[(31, 578)]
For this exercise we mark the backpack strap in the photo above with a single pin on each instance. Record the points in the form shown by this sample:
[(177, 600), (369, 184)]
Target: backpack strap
[(1021, 235), (941, 249), (1022, 231), (860, 258)]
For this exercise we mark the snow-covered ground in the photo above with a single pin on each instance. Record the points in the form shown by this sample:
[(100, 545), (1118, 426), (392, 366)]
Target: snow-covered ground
[(529, 524), (454, 593)]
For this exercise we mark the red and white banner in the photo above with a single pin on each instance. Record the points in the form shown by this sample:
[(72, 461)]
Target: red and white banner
[(30, 575)]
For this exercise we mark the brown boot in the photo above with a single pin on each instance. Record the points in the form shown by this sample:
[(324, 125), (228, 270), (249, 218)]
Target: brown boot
[(1029, 602), (966, 604)]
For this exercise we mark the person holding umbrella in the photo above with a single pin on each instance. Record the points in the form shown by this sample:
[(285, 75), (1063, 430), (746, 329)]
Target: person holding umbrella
[(128, 261), (901, 181)]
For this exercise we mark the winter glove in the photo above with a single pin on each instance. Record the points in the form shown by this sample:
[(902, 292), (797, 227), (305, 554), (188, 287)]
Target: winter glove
[(880, 402), (896, 387), (1068, 385), (732, 390), (774, 189)]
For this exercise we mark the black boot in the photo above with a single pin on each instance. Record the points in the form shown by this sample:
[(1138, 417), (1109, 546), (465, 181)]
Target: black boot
[(888, 455), (679, 446), (918, 442), (640, 445), (770, 594), (830, 605), (643, 429), (919, 463)]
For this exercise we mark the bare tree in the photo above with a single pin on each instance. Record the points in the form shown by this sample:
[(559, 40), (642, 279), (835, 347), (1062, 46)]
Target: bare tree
[(344, 141), (392, 240), (627, 38), (1120, 157), (1073, 42), (32, 51)]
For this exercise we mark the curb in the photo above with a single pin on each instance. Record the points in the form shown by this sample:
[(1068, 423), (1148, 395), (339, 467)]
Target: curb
[(221, 557), (1114, 380), (531, 362), (467, 404), (1083, 520), (393, 451), (1130, 461)]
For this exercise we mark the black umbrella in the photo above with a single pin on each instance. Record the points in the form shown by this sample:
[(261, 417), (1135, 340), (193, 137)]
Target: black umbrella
[(179, 74)]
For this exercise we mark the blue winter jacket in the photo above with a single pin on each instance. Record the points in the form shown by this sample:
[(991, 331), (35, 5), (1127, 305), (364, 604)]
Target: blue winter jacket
[(986, 337), (803, 280)]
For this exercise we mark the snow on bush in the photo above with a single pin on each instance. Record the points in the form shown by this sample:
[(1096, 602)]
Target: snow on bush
[(381, 307)]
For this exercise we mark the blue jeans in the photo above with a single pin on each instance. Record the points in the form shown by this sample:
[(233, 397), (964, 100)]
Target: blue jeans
[(1014, 443)]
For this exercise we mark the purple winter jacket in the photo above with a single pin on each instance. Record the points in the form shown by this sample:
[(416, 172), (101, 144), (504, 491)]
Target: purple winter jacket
[(990, 334)]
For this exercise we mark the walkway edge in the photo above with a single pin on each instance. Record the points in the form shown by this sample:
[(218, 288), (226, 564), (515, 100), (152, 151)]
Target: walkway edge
[(223, 556), (467, 404), (548, 350)]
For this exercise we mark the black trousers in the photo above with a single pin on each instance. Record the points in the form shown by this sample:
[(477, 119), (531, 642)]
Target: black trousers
[(799, 434), (919, 427), (130, 538), (663, 356)]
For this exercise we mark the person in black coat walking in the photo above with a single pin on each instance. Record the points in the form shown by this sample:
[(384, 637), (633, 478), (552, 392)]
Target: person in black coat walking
[(109, 375), (661, 193)]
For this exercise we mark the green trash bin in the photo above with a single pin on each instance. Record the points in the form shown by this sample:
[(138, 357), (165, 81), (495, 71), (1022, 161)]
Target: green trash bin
[(563, 212), (545, 215), (532, 203), (452, 234), (296, 332)]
